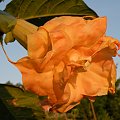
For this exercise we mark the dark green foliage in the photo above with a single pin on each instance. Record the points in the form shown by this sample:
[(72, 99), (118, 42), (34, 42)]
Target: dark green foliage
[(113, 105), (19, 104), (1, 0), (40, 11), (82, 111), (117, 84)]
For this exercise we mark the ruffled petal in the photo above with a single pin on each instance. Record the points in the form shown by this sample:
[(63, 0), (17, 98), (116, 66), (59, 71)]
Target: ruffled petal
[(65, 35), (38, 82), (97, 80)]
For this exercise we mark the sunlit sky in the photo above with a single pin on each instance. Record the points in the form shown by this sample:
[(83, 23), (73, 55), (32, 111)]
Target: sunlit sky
[(109, 8)]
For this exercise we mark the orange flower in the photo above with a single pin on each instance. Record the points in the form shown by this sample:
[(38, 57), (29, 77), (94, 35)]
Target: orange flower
[(69, 58)]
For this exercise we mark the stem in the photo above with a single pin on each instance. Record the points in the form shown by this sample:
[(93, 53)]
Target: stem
[(65, 116), (21, 30), (56, 116), (93, 110)]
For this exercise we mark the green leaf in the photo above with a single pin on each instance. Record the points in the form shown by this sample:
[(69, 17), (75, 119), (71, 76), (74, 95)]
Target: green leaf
[(17, 104), (40, 11), (1, 38)]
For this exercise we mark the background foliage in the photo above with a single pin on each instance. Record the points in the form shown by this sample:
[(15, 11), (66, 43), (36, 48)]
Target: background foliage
[(1, 0)]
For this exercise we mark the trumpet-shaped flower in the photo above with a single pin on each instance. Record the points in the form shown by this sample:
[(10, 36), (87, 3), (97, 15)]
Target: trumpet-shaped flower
[(68, 59)]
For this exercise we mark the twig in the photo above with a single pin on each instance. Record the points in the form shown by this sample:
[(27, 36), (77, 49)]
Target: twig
[(93, 110)]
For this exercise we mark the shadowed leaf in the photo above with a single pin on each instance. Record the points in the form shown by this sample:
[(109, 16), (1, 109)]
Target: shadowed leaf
[(19, 104), (1, 0), (42, 10)]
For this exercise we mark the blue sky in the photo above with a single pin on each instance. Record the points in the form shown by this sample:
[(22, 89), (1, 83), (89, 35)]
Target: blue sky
[(107, 8)]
